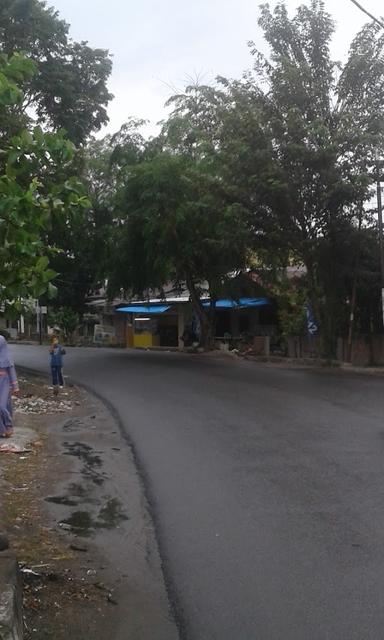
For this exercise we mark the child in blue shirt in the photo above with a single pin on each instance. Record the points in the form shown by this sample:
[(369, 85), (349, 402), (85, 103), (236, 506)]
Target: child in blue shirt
[(57, 353)]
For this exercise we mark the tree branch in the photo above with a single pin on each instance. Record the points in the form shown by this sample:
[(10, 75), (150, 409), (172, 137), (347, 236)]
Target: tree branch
[(370, 15)]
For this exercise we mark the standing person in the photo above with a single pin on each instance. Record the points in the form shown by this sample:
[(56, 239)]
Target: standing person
[(8, 386), (57, 353)]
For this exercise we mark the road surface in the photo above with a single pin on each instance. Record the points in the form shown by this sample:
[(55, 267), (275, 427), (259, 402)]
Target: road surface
[(267, 488)]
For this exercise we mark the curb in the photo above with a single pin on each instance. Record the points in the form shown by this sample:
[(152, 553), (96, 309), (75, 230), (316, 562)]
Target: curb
[(316, 363), (11, 598), (171, 620)]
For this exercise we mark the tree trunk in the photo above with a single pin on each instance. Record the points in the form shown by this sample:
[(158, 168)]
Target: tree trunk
[(313, 296), (205, 318), (325, 311), (354, 290)]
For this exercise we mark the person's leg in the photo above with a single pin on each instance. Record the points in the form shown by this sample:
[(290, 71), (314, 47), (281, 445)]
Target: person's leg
[(5, 406), (9, 421), (60, 376), (55, 377)]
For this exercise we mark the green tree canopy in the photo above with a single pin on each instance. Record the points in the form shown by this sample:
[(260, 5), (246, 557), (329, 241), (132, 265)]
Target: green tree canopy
[(70, 89), (318, 125), (68, 92), (30, 194), (278, 165), (174, 223)]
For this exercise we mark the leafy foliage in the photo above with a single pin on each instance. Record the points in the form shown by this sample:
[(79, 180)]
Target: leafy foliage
[(320, 130), (70, 90), (174, 223), (277, 166), (30, 195), (64, 89), (66, 320)]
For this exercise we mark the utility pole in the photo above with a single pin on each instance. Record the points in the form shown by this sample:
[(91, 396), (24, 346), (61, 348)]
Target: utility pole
[(367, 13), (380, 224), (39, 326)]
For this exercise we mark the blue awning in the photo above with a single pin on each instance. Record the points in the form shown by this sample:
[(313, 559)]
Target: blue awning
[(241, 303), (150, 309)]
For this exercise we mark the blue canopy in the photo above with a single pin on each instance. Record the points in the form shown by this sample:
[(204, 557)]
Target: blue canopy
[(241, 303), (150, 308)]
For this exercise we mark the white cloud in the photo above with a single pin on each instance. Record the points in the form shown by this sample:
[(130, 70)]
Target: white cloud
[(157, 44)]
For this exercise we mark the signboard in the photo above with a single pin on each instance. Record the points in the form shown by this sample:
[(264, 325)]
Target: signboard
[(104, 334), (311, 322)]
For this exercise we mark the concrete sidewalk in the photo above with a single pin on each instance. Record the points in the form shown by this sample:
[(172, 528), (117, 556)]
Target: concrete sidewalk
[(11, 598), (11, 588), (74, 507)]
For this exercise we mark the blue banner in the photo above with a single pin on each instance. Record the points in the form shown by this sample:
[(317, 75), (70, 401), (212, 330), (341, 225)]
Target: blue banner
[(311, 322)]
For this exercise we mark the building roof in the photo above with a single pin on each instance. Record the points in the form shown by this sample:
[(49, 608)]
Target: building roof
[(156, 306)]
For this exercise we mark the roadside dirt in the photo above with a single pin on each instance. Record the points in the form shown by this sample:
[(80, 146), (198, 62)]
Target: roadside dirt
[(63, 595), (74, 507)]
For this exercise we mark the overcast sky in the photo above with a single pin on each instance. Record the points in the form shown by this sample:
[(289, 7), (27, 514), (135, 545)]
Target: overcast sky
[(157, 44)]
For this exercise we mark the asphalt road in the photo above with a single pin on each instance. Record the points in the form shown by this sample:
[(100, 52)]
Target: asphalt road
[(267, 487)]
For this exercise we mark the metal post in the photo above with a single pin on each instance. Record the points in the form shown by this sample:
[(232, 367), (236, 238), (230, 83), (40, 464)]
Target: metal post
[(39, 324), (380, 224)]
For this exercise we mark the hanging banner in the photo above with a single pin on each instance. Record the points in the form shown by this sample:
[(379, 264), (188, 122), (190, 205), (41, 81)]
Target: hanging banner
[(311, 322)]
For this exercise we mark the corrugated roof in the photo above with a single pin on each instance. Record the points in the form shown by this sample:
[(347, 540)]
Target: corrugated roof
[(139, 308)]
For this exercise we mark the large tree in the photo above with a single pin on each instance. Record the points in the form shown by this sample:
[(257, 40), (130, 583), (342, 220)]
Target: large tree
[(319, 125), (281, 160), (70, 89), (68, 92), (174, 223), (31, 194)]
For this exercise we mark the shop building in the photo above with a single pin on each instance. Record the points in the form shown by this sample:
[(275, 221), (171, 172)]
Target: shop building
[(163, 323)]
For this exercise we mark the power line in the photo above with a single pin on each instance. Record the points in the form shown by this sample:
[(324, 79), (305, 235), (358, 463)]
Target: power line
[(370, 15)]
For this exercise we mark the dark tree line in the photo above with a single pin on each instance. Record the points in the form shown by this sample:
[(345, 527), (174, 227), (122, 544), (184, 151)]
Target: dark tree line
[(270, 170), (267, 171)]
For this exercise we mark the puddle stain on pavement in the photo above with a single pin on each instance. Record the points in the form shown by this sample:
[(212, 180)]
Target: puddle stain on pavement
[(63, 500), (73, 424), (81, 492), (77, 424), (78, 490), (89, 457), (81, 521), (84, 452), (109, 517)]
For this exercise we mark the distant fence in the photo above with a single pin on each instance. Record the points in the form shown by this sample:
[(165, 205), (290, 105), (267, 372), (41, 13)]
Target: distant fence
[(366, 349)]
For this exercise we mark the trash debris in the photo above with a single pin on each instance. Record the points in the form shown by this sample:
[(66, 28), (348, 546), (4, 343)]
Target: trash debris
[(34, 404), (4, 542), (29, 575), (111, 599), (77, 547), (9, 447), (50, 552)]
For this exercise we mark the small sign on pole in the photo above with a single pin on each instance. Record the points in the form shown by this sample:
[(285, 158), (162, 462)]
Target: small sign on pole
[(311, 322), (382, 303)]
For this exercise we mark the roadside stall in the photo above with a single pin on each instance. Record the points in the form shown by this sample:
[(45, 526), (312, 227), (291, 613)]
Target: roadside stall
[(151, 325)]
